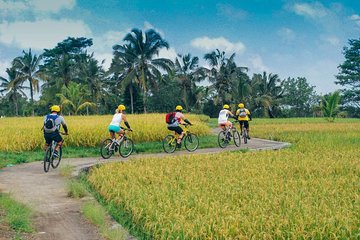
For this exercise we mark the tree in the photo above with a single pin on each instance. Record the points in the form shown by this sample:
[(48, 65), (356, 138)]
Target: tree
[(299, 97), (12, 87), (28, 67), (349, 77), (330, 105), (136, 59), (266, 94)]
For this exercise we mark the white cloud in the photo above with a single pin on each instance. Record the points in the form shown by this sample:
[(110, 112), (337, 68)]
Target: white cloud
[(258, 65), (312, 10), (286, 34), (13, 8), (168, 53), (356, 19), (332, 40), (221, 43), (148, 26), (231, 12), (41, 34), (3, 65)]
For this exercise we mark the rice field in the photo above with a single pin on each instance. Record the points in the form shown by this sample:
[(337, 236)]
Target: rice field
[(310, 191), (24, 134)]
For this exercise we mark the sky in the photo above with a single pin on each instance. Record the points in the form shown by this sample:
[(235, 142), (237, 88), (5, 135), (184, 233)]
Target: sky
[(288, 38)]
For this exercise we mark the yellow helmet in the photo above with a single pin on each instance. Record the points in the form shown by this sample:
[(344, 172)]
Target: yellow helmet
[(241, 105), (121, 107), (55, 108), (226, 106), (178, 108)]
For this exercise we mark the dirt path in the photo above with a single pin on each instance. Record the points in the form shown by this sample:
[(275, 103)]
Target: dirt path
[(59, 217)]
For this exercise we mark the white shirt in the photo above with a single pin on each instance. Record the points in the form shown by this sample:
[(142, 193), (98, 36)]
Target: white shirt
[(116, 120), (223, 116)]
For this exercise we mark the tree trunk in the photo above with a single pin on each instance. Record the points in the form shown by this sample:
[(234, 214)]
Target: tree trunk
[(31, 97), (131, 98)]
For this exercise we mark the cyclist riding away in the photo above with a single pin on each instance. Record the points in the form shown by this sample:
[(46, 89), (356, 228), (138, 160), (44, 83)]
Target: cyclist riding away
[(174, 124), (51, 127), (243, 115), (118, 117), (223, 117)]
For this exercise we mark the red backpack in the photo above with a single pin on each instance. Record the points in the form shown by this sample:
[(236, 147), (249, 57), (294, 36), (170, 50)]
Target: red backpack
[(170, 118)]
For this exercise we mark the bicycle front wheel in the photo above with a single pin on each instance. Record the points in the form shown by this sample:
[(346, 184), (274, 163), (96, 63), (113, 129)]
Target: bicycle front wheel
[(47, 159), (56, 161), (169, 143), (105, 149), (237, 138), (191, 142), (126, 147), (222, 140)]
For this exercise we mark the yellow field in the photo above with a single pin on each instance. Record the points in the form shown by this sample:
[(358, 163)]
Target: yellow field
[(21, 134), (309, 191)]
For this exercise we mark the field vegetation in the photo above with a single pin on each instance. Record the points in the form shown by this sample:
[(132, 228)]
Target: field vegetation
[(308, 191)]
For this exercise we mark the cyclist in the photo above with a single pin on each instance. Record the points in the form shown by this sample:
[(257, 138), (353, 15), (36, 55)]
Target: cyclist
[(243, 115), (223, 117), (114, 126), (177, 121), (51, 127)]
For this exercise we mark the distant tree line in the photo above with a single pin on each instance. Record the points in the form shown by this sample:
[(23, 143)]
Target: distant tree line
[(70, 76)]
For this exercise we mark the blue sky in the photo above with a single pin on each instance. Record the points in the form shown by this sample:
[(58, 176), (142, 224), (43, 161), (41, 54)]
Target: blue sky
[(290, 38)]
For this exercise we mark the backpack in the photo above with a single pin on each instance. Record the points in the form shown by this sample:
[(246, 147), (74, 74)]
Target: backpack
[(242, 113), (170, 118), (49, 124)]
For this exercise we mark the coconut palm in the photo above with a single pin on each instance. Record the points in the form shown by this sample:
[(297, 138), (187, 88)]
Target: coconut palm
[(136, 59), (330, 105), (12, 87), (185, 70)]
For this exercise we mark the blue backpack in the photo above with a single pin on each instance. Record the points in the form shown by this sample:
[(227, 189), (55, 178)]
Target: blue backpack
[(49, 125)]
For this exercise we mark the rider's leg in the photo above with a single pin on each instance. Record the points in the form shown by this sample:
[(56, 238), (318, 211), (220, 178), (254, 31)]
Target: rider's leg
[(112, 134), (241, 127), (246, 125), (121, 134), (58, 145)]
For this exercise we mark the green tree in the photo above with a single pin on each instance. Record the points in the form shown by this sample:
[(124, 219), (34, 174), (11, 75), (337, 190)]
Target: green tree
[(28, 67), (330, 105), (299, 97), (349, 77), (13, 88), (136, 59)]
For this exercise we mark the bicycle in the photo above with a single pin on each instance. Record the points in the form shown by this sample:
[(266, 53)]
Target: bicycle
[(191, 141), (244, 134), (225, 135), (124, 145), (49, 158)]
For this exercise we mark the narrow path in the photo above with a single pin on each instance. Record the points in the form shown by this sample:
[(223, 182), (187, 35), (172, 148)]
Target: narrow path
[(57, 216)]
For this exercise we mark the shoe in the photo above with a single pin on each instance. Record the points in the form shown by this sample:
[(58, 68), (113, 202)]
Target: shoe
[(55, 154), (178, 145), (248, 137)]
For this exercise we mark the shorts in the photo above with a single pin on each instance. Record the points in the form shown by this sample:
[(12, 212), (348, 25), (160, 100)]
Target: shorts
[(245, 123), (54, 136), (177, 129), (113, 128)]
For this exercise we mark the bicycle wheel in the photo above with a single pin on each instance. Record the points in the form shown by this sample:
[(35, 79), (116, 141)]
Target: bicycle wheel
[(56, 161), (237, 138), (126, 147), (47, 159), (105, 149), (191, 142), (169, 143), (222, 140), (245, 136)]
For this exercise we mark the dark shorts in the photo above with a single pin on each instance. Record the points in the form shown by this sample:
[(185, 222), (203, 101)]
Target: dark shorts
[(245, 123), (177, 129), (49, 137)]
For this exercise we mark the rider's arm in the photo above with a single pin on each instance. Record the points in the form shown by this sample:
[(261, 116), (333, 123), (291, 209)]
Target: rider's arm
[(187, 121), (126, 122), (63, 123)]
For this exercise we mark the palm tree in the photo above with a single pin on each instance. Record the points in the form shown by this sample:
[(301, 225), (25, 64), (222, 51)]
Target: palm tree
[(136, 60), (267, 91), (330, 105), (185, 70), (28, 67), (12, 87)]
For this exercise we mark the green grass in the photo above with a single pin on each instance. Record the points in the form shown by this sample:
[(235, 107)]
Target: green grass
[(76, 189), (17, 215), (66, 170)]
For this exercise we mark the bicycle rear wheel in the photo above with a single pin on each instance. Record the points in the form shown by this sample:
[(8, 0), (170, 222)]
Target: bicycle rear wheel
[(126, 147), (169, 143), (222, 139), (245, 136), (191, 142), (237, 138), (47, 159), (56, 161), (105, 149)]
